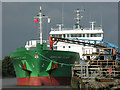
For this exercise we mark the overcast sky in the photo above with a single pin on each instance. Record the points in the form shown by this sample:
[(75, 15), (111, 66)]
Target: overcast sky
[(18, 20)]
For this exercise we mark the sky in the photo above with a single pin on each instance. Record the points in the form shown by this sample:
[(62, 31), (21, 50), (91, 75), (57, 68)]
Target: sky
[(60, 0), (18, 20)]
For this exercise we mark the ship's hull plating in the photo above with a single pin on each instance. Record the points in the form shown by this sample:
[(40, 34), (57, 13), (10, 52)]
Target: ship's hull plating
[(41, 81), (43, 67)]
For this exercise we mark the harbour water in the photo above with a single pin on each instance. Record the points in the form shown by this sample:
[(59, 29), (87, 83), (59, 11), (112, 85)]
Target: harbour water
[(12, 83)]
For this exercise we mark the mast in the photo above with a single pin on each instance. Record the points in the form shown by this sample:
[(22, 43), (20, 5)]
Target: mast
[(40, 17), (78, 18)]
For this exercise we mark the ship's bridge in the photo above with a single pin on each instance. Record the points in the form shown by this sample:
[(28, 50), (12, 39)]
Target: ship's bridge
[(92, 33), (80, 33)]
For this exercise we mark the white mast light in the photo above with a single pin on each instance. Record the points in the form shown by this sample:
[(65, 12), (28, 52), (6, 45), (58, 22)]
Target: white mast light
[(40, 8), (49, 20)]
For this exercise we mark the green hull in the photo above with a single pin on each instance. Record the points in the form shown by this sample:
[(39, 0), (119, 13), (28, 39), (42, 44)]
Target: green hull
[(42, 62)]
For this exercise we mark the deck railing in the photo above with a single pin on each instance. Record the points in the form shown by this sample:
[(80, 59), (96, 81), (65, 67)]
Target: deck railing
[(64, 29)]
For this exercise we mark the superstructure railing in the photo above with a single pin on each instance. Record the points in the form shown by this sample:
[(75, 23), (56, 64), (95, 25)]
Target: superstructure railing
[(64, 29)]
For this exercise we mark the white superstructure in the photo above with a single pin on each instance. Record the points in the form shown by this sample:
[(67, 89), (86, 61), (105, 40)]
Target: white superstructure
[(77, 32)]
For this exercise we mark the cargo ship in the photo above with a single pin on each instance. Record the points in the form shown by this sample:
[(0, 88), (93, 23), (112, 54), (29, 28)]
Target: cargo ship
[(36, 65)]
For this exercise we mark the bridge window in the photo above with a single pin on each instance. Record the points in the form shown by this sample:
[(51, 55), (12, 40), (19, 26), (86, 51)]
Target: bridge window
[(63, 46), (53, 35), (79, 35), (60, 36), (83, 35), (98, 35), (93, 35), (67, 35), (56, 35), (63, 35), (87, 35), (73, 35), (69, 46)]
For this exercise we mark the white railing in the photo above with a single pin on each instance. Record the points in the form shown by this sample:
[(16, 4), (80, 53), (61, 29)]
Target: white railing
[(57, 29), (46, 41), (63, 29), (33, 43)]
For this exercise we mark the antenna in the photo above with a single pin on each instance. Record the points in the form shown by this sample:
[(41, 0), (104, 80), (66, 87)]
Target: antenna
[(101, 21), (90, 17), (62, 13)]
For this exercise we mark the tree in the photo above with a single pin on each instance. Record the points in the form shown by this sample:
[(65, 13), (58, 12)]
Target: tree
[(7, 67)]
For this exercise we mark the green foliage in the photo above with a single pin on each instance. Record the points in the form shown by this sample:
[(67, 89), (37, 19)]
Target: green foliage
[(0, 68), (7, 67)]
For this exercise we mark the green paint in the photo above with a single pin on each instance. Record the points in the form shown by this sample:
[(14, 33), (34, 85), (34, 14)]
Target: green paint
[(76, 26), (27, 65), (49, 66), (42, 64)]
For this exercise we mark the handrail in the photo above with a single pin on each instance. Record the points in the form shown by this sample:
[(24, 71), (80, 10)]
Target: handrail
[(63, 29)]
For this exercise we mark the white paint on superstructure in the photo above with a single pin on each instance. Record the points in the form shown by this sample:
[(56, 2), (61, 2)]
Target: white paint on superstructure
[(77, 32), (31, 43)]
